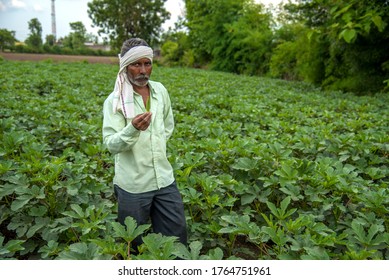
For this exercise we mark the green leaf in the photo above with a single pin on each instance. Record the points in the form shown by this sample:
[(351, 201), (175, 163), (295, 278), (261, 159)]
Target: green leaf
[(247, 199), (284, 204), (11, 246), (340, 12), (6, 190), (215, 254), (315, 253), (379, 23), (37, 211), (80, 248), (182, 252), (50, 249), (359, 231), (281, 213), (272, 208), (157, 247), (245, 164), (148, 105), (130, 231), (18, 204), (276, 235), (77, 208), (293, 191), (195, 248), (39, 223), (82, 251), (348, 35)]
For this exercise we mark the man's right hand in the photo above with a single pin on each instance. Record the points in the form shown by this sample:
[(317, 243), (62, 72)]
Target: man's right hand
[(142, 121)]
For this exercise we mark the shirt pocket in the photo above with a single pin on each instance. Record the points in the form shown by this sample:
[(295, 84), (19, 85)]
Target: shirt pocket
[(159, 124)]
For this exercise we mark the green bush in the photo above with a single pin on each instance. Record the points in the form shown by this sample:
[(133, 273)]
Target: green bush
[(283, 63), (170, 55)]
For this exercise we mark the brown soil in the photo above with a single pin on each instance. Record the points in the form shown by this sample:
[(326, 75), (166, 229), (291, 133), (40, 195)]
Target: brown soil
[(59, 58)]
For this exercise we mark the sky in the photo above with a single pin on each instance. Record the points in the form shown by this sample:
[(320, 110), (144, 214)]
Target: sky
[(15, 15)]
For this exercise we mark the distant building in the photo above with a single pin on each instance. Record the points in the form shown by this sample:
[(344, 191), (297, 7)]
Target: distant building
[(96, 47), (18, 43)]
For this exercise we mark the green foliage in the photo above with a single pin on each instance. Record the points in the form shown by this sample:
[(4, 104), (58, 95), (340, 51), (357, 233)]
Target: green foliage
[(76, 38), (358, 67), (291, 43), (283, 62), (34, 40), (176, 49), (356, 18), (267, 170), (249, 43), (232, 36), (353, 38), (169, 51), (284, 166), (157, 247), (121, 20), (7, 39), (12, 246), (193, 252)]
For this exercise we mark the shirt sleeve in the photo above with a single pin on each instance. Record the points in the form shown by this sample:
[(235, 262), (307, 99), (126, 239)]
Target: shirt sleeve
[(117, 135)]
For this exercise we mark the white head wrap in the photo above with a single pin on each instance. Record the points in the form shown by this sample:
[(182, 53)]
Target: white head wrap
[(123, 92)]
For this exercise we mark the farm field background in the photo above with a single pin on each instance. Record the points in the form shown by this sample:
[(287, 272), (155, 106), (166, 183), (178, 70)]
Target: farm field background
[(268, 169)]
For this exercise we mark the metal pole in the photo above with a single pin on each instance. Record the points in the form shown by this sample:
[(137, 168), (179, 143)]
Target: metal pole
[(53, 25)]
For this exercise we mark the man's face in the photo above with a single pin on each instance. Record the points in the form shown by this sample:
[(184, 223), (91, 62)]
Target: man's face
[(139, 72)]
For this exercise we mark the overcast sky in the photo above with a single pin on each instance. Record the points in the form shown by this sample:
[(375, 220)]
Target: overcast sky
[(15, 15)]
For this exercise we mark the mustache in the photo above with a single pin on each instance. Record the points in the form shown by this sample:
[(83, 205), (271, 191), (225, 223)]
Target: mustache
[(142, 77)]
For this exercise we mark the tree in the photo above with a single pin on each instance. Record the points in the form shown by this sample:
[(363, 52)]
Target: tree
[(50, 45), (345, 19), (354, 38), (7, 39), (123, 19), (249, 42), (50, 40), (78, 35), (231, 35), (176, 48), (76, 38), (34, 40), (92, 38), (205, 21)]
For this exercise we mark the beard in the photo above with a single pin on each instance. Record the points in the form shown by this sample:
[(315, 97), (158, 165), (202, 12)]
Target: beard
[(140, 81)]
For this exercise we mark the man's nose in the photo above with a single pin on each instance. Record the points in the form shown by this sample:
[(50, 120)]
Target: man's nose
[(142, 68)]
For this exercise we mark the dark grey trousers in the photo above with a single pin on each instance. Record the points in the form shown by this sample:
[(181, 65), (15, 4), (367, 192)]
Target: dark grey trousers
[(164, 208)]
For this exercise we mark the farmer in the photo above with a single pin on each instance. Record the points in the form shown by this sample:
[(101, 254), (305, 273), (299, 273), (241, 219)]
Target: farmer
[(138, 120)]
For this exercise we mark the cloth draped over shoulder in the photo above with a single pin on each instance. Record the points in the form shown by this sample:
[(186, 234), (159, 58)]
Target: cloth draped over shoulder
[(123, 92)]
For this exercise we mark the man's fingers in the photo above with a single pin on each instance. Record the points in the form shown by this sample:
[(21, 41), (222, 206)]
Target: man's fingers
[(145, 118), (142, 121)]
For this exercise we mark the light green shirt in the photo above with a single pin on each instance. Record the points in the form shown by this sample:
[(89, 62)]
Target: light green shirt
[(141, 164)]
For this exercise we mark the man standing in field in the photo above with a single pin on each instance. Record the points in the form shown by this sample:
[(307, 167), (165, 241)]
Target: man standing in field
[(138, 120)]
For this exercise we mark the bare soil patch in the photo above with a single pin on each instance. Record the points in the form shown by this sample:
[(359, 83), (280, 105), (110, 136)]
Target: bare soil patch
[(59, 58)]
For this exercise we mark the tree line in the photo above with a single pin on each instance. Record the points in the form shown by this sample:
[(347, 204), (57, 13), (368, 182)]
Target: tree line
[(73, 43), (334, 44)]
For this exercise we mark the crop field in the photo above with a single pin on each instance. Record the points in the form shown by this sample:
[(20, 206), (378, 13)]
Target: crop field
[(268, 169)]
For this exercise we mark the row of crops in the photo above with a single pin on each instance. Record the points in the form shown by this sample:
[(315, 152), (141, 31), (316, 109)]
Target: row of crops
[(268, 169)]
